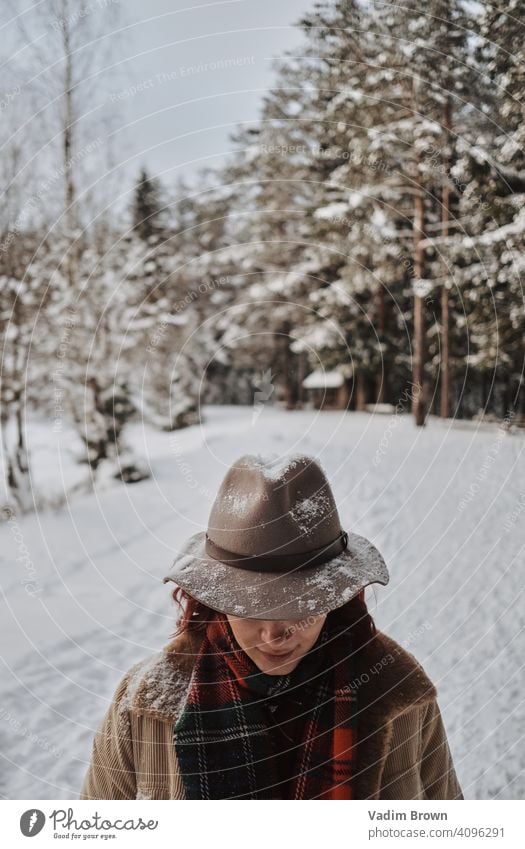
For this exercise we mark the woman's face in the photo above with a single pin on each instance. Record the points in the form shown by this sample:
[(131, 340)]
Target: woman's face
[(276, 646)]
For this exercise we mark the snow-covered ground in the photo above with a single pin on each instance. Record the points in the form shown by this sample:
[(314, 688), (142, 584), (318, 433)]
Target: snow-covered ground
[(82, 594)]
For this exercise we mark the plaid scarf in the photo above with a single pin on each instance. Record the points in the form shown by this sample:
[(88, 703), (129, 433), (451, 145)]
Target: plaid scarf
[(224, 739)]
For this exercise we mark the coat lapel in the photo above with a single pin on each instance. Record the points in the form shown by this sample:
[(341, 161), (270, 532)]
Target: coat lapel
[(389, 681)]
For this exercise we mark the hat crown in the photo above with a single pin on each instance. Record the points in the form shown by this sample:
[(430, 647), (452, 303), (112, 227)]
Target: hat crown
[(270, 506)]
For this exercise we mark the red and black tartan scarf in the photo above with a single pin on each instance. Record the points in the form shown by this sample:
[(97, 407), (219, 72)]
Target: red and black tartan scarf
[(224, 739)]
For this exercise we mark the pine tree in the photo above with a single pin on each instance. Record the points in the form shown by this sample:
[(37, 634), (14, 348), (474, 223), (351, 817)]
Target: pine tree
[(485, 255), (351, 236), (148, 207)]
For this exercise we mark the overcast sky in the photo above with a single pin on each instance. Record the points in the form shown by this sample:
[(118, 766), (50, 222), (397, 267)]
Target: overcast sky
[(192, 72)]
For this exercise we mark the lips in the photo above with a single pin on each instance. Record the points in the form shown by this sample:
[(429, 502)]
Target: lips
[(275, 656)]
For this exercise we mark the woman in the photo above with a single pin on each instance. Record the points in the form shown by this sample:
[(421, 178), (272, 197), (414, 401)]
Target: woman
[(277, 684)]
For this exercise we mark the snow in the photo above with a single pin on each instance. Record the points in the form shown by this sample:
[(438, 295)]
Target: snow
[(333, 210), (309, 511), (355, 199), (319, 379), (47, 441), (239, 503), (422, 288), (274, 467), (95, 603)]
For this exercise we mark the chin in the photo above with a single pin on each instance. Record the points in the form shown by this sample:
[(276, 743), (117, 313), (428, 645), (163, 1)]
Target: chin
[(281, 670)]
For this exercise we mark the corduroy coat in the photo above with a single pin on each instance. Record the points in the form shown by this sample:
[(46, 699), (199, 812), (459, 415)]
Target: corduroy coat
[(402, 749)]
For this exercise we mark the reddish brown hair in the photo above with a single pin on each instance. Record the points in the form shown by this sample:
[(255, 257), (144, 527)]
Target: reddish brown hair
[(194, 617)]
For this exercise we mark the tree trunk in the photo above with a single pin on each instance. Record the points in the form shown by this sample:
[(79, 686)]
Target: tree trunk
[(360, 391), (18, 466), (16, 456), (445, 318), (444, 409), (286, 363), (301, 376), (418, 404), (380, 310), (68, 148)]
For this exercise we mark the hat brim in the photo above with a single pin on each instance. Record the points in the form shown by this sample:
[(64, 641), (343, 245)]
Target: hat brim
[(297, 594)]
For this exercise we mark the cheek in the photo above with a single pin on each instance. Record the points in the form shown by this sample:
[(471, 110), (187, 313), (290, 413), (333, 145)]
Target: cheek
[(310, 639), (250, 637), (245, 633), (312, 634)]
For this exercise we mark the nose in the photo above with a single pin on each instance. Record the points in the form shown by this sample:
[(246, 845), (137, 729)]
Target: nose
[(275, 633)]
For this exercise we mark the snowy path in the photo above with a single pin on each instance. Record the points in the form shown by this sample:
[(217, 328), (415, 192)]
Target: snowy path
[(85, 600)]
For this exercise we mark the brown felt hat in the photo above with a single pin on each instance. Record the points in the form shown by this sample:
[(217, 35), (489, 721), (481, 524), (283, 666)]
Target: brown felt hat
[(274, 547)]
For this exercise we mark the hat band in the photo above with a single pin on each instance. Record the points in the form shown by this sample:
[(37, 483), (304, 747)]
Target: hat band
[(279, 562)]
